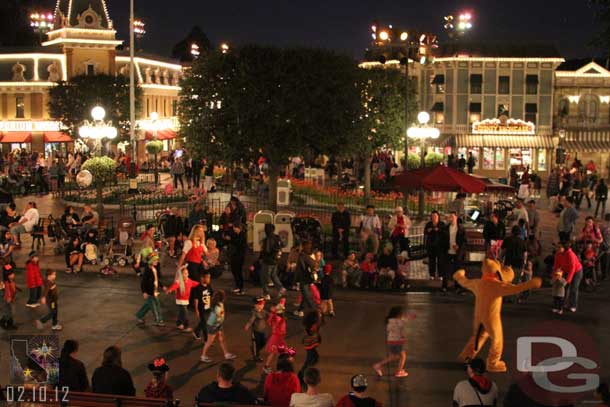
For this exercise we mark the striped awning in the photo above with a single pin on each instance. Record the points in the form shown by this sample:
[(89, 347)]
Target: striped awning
[(586, 140), (475, 140)]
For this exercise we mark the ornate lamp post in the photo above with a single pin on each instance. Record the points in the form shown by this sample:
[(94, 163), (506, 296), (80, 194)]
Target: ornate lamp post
[(154, 146), (98, 129), (423, 132)]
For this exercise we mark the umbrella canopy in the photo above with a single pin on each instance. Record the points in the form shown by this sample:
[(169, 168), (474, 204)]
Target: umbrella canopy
[(495, 187), (439, 178)]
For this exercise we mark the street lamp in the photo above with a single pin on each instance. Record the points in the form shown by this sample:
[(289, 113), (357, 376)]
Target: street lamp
[(224, 47), (458, 27), (195, 51), (139, 28), (423, 132), (98, 129)]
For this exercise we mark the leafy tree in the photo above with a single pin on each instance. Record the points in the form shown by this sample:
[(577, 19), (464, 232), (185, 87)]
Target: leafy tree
[(272, 101), (182, 50), (154, 147), (433, 159), (382, 121), (71, 101), (103, 170)]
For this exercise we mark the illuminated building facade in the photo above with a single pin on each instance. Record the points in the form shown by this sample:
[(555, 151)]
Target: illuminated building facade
[(83, 42)]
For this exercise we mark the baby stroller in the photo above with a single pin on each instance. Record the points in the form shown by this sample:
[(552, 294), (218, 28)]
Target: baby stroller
[(120, 249), (589, 258), (90, 247)]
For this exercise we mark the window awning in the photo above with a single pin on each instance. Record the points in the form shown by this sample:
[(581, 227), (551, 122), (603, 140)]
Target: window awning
[(438, 80), (507, 141), (16, 137), (165, 134), (474, 108), (57, 137), (531, 108), (586, 141), (438, 107)]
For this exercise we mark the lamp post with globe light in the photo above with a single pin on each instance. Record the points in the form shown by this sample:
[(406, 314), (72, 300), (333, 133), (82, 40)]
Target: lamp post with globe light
[(98, 129), (423, 132)]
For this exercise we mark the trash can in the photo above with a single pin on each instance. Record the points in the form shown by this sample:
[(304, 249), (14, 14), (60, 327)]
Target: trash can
[(283, 192), (283, 228), (258, 229)]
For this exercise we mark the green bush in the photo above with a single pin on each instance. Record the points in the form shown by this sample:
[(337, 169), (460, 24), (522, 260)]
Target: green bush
[(433, 159), (154, 147), (103, 169)]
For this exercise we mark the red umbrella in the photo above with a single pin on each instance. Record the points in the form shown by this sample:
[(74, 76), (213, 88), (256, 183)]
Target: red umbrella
[(439, 178)]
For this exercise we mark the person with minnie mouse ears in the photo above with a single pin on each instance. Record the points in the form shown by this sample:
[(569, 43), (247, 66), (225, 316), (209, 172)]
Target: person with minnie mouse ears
[(158, 388)]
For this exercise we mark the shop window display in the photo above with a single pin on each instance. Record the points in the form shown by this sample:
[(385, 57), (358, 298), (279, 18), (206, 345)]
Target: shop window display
[(499, 158), (488, 158), (542, 159), (521, 157)]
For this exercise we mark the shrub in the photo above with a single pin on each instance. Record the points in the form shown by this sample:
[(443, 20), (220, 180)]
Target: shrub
[(103, 169)]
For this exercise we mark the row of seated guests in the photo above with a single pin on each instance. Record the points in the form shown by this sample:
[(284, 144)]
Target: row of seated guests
[(386, 270)]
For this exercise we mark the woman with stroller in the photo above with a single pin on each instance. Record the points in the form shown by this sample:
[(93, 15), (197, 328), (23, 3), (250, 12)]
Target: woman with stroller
[(75, 254)]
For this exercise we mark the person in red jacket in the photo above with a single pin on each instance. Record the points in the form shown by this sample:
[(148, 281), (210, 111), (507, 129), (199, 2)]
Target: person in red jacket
[(567, 261), (357, 397), (280, 385), (277, 323), (182, 286), (33, 280)]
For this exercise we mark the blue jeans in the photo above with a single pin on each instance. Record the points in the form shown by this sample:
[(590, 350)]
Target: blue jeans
[(572, 297), (269, 271), (182, 319), (151, 303), (52, 315)]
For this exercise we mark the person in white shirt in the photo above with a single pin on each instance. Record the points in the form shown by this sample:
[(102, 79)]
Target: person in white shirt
[(520, 212), (311, 398), (26, 223), (370, 220)]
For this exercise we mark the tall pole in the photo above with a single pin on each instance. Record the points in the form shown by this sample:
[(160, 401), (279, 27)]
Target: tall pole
[(422, 199), (132, 90), (405, 193)]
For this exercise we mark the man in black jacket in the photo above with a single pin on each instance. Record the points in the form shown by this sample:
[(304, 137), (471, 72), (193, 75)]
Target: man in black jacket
[(224, 390), (304, 277), (341, 221), (494, 229), (454, 242), (238, 246), (601, 196), (433, 238), (111, 378), (271, 247), (197, 167)]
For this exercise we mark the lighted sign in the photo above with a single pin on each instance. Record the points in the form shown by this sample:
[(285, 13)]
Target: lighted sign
[(29, 126), (503, 126), (159, 124)]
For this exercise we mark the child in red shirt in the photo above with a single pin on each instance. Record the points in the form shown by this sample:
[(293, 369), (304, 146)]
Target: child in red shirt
[(33, 280), (277, 323), (9, 293), (182, 286)]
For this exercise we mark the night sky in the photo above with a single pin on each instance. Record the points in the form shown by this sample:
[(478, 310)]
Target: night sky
[(344, 25)]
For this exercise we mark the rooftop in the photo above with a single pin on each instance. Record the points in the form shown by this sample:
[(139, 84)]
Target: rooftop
[(496, 50)]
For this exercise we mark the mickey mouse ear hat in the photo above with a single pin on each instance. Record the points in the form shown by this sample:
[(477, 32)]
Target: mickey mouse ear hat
[(158, 365)]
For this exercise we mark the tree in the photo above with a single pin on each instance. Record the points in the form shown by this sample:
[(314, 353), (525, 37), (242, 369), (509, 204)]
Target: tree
[(103, 170), (182, 50), (71, 101), (272, 101), (382, 121), (154, 147)]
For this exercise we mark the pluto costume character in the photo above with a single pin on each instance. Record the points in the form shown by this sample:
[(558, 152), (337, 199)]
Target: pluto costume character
[(488, 291)]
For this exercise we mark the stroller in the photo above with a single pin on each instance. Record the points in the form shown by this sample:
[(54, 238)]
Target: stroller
[(589, 258), (120, 249)]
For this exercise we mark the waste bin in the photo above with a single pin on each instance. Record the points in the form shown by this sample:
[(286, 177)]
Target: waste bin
[(283, 192), (283, 228), (261, 218)]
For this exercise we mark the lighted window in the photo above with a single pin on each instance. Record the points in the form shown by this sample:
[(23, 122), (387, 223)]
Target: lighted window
[(499, 158), (520, 157), (588, 108), (488, 158), (439, 117), (504, 85), (564, 107), (19, 107), (476, 83), (541, 159), (531, 84)]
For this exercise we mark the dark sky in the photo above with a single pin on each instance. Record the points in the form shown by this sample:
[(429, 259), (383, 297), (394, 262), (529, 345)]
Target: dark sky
[(344, 25)]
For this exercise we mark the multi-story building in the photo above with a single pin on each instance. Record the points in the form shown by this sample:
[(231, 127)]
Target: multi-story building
[(494, 101), (582, 111), (83, 42)]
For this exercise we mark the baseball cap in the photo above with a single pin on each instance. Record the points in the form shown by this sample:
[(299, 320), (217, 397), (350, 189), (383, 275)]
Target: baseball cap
[(359, 382)]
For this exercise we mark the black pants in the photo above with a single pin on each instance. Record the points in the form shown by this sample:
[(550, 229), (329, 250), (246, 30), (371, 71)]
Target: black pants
[(434, 264), (340, 241), (237, 264), (450, 264), (258, 343), (178, 177), (399, 243), (52, 315), (600, 204), (202, 328), (61, 182), (196, 178), (311, 359), (577, 196), (34, 296), (557, 302)]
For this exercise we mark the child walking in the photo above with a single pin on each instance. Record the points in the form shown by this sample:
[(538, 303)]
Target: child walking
[(258, 324), (50, 296), (33, 280), (395, 339), (182, 286), (8, 294), (559, 291), (150, 285), (214, 327), (158, 388), (277, 340), (326, 292), (202, 299), (311, 342)]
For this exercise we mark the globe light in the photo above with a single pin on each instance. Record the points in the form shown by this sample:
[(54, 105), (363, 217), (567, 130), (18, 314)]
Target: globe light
[(98, 113), (404, 35), (423, 117), (384, 36)]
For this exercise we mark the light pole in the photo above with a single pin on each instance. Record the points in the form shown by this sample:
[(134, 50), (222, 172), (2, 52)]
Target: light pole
[(154, 117), (423, 132), (133, 180), (98, 129)]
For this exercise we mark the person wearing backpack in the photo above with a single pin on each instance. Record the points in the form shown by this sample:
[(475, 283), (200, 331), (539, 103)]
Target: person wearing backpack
[(478, 389), (271, 247)]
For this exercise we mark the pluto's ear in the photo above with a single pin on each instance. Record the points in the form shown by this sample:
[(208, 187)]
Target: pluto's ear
[(507, 274)]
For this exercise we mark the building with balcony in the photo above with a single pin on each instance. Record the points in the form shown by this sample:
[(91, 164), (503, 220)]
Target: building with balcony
[(494, 101), (581, 112), (82, 42)]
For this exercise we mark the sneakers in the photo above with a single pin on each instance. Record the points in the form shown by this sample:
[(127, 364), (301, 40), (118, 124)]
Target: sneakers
[(560, 311), (555, 310), (573, 309), (205, 359), (241, 292), (140, 321), (33, 305), (187, 329), (230, 356), (197, 337), (57, 327), (377, 369), (298, 313), (180, 327), (69, 271), (401, 373), (235, 290), (160, 323), (39, 325)]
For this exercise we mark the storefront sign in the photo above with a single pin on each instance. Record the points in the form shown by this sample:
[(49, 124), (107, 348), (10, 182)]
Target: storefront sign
[(159, 124), (503, 126), (29, 126)]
